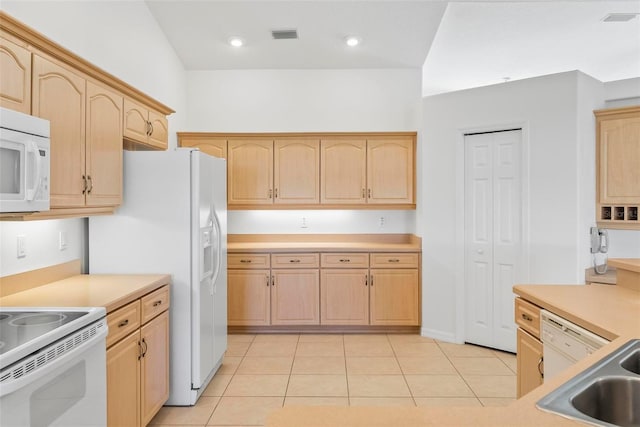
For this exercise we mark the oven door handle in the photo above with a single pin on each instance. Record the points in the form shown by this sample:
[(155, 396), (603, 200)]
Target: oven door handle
[(9, 387)]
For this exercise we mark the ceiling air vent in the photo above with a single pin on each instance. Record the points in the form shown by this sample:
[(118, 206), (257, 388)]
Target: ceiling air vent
[(620, 17), (284, 34)]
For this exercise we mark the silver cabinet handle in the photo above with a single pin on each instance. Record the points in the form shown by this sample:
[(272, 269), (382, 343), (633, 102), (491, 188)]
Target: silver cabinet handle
[(84, 188), (363, 195), (150, 128), (294, 260), (90, 184), (366, 280), (527, 317), (276, 193), (273, 281), (268, 282), (371, 280), (144, 348), (124, 323), (393, 260), (245, 261), (345, 260), (157, 303), (369, 193)]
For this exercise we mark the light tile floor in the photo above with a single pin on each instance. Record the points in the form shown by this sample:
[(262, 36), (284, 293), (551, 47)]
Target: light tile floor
[(264, 372)]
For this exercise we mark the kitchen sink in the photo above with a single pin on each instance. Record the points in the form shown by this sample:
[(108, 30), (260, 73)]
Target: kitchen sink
[(605, 394), (632, 362), (615, 400)]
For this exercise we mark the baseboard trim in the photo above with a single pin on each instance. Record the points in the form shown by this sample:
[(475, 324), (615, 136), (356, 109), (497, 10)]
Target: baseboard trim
[(439, 335)]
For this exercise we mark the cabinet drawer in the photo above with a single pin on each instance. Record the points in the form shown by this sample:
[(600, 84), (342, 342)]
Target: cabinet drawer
[(295, 260), (252, 261), (398, 260), (123, 321), (154, 303), (528, 317), (345, 260)]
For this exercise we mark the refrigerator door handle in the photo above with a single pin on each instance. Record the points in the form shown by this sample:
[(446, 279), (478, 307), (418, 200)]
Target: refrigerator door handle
[(216, 253)]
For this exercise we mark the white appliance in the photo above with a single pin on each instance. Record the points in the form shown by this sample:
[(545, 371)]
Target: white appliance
[(24, 162), (564, 343), (174, 220), (53, 368)]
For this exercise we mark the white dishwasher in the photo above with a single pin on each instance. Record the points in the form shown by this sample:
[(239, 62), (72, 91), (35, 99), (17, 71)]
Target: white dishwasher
[(564, 343)]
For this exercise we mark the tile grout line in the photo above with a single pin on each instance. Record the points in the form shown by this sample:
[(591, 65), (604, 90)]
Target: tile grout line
[(460, 374), (404, 377)]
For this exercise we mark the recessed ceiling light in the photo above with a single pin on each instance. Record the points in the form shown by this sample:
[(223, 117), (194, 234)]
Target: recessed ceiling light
[(620, 17), (352, 41), (236, 41)]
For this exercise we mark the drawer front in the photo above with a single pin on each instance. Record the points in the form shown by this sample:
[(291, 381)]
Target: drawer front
[(123, 321), (154, 303), (397, 260), (345, 260), (528, 317), (248, 261), (295, 260)]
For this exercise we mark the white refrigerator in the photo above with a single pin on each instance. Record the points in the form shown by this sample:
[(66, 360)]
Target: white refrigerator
[(174, 220)]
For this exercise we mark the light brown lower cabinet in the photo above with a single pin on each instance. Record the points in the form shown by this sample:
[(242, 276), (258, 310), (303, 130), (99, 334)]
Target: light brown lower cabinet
[(530, 363), (394, 297), (138, 364), (343, 291)]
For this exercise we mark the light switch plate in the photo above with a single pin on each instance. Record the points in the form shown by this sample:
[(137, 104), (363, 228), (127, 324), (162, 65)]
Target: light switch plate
[(22, 246)]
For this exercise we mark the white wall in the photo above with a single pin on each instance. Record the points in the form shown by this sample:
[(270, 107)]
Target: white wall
[(546, 108), (42, 244), (122, 38), (622, 93), (307, 101)]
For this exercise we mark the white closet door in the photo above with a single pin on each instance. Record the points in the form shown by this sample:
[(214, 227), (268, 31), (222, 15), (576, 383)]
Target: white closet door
[(492, 236)]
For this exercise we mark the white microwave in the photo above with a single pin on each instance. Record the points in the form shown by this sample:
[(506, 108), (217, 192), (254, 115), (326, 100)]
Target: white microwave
[(25, 157)]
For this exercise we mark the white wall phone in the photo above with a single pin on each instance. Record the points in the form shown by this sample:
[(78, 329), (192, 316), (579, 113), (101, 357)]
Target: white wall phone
[(599, 244)]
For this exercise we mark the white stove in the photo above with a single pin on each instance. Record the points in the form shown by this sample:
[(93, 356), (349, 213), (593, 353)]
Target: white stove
[(53, 366)]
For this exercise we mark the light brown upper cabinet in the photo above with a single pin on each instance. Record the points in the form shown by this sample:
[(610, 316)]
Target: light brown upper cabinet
[(266, 172), (250, 172), (15, 80), (344, 170), (213, 146), (145, 126), (618, 167), (314, 170), (86, 136), (390, 173), (378, 170), (296, 171), (85, 108)]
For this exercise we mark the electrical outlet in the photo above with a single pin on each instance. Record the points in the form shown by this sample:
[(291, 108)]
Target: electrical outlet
[(381, 223), (303, 223), (62, 240), (22, 246)]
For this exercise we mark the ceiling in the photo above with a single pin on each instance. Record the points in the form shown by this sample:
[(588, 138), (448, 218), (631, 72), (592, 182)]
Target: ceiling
[(458, 45)]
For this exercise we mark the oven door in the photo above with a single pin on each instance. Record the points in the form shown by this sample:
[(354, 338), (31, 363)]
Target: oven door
[(68, 391)]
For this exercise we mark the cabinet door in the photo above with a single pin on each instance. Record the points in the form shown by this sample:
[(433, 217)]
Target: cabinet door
[(248, 297), (529, 359), (394, 298), (15, 84), (154, 378), (295, 297), (343, 171), (344, 297), (123, 382), (619, 161), (59, 96), (296, 174), (136, 126), (104, 147), (216, 147), (250, 172), (158, 130), (390, 170)]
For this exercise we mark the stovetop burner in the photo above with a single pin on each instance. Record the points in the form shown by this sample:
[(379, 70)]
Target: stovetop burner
[(39, 319), (20, 327)]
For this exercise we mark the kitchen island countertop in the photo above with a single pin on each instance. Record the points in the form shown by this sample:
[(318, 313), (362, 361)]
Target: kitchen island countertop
[(611, 311)]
